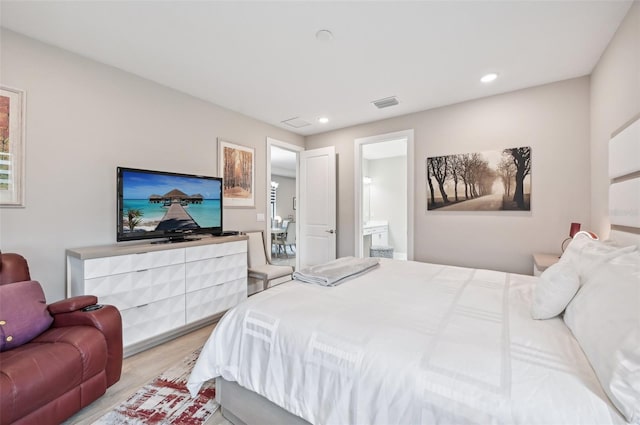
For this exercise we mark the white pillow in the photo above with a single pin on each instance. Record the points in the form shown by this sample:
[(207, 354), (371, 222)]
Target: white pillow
[(604, 316), (555, 288), (585, 254)]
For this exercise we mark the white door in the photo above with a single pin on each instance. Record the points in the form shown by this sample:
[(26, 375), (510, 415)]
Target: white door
[(317, 206)]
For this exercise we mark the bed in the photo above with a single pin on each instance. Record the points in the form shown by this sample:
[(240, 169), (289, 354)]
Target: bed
[(419, 343)]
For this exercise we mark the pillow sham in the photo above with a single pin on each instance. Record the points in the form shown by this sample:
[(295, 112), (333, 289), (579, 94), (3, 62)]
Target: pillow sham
[(604, 316), (23, 313), (555, 288), (585, 255)]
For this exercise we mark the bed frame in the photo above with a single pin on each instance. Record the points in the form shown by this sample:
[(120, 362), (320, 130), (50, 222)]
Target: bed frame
[(241, 406), (624, 188)]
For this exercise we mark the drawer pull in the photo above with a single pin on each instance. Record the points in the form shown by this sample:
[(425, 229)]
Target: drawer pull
[(142, 305), (143, 270)]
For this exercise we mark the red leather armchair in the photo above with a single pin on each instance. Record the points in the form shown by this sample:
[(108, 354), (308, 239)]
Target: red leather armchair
[(65, 368)]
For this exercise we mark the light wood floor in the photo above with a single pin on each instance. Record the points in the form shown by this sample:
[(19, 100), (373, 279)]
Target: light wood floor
[(141, 368)]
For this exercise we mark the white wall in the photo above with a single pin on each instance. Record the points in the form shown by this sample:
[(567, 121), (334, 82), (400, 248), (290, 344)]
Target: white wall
[(615, 99), (286, 192), (366, 191), (83, 119), (389, 197), (553, 119)]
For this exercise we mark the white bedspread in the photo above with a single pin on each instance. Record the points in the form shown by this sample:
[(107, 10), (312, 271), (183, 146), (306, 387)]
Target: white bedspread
[(408, 343)]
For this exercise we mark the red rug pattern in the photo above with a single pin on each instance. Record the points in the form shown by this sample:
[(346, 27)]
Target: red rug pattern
[(166, 400)]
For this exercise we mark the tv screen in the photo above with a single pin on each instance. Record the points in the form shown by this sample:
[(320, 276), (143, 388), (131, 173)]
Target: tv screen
[(157, 204)]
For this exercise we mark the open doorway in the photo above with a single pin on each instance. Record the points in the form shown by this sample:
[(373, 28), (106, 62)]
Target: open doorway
[(283, 188), (384, 195)]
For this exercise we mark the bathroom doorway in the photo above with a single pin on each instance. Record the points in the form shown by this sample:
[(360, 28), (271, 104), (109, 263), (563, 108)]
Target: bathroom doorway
[(383, 190)]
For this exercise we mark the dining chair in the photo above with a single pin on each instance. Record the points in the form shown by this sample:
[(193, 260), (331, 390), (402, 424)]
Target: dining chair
[(287, 239), (259, 266), (277, 237)]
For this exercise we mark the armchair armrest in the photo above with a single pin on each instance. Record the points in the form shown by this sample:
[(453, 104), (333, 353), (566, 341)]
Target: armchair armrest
[(72, 304), (107, 320)]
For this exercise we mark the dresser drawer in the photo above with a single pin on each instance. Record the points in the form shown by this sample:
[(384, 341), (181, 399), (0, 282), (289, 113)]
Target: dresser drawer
[(105, 266), (216, 299), (127, 290), (195, 253), (147, 321), (215, 271)]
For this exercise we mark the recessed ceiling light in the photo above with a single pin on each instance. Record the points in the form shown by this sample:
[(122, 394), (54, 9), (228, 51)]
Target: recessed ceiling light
[(489, 77), (324, 35), (323, 120)]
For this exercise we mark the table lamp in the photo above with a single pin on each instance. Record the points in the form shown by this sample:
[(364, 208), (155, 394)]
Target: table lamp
[(575, 228)]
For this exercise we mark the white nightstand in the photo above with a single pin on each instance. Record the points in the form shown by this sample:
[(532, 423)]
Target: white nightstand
[(542, 261)]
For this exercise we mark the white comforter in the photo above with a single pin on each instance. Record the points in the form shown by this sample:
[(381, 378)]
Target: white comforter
[(408, 343)]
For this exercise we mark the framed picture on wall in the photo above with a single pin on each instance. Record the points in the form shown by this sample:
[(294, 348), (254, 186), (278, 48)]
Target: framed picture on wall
[(236, 165), (497, 180), (12, 124)]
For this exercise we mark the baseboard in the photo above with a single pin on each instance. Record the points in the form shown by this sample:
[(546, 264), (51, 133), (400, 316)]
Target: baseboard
[(168, 336), (400, 256)]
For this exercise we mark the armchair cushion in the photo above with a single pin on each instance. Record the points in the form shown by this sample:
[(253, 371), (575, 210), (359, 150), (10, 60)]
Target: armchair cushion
[(23, 313)]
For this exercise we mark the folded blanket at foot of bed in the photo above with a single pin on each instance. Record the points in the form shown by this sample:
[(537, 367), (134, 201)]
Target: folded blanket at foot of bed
[(336, 272)]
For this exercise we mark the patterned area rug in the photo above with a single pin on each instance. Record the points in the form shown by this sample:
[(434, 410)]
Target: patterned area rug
[(166, 400)]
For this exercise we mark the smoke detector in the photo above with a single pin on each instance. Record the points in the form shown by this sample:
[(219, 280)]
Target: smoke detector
[(324, 35)]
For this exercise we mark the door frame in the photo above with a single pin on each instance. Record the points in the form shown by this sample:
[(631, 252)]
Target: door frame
[(290, 147), (357, 183)]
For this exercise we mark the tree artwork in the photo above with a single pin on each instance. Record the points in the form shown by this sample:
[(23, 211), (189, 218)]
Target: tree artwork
[(522, 160), (440, 169), (238, 172), (5, 171), (493, 181), (506, 171), (237, 166)]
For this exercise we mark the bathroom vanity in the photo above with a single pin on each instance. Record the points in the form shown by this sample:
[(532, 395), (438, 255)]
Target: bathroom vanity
[(375, 233)]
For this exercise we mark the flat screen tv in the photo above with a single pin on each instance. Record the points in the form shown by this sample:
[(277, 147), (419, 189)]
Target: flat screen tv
[(157, 204)]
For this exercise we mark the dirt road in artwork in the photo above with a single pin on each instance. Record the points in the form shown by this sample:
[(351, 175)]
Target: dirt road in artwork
[(484, 203)]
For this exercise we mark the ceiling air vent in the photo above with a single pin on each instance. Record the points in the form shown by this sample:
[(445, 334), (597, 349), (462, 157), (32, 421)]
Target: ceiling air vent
[(296, 122), (386, 102)]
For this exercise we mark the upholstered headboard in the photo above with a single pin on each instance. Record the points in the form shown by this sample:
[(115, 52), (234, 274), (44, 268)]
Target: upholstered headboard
[(624, 188)]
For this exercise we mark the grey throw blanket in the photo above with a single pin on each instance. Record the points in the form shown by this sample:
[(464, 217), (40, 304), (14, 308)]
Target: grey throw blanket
[(337, 271)]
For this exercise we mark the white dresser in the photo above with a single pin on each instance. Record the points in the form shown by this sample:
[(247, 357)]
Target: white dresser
[(162, 290)]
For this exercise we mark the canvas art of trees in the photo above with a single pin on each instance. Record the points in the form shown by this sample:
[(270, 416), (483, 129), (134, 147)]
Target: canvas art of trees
[(238, 169), (5, 152), (485, 181), (11, 147)]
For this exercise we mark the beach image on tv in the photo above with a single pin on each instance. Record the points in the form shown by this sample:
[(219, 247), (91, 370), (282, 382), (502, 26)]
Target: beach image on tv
[(162, 202)]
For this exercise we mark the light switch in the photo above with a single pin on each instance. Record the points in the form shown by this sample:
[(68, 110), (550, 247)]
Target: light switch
[(260, 217)]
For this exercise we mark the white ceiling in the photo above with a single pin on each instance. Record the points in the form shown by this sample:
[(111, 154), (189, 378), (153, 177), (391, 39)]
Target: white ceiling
[(388, 149), (283, 162), (262, 58)]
